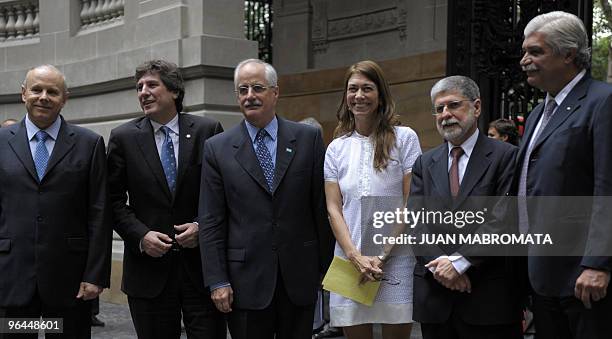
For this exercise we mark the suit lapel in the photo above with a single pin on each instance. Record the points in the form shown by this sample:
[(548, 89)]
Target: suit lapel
[(148, 148), (186, 140), (570, 104), (285, 149), (20, 145), (64, 143), (533, 119), (245, 156), (478, 164), (439, 171)]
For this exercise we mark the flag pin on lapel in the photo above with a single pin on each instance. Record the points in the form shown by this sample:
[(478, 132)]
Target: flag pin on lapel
[(188, 136), (289, 150)]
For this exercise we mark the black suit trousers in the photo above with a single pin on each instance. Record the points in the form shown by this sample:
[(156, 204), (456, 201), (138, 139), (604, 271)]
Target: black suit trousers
[(456, 328), (76, 319), (160, 317), (281, 319), (567, 318)]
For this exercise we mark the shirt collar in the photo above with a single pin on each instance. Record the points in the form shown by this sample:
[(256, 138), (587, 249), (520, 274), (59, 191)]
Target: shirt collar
[(271, 128), (52, 130), (172, 125), (468, 145), (566, 90)]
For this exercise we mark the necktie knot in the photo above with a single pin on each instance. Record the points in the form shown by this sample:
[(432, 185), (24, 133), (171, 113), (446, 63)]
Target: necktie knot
[(456, 152), (550, 108), (261, 135), (41, 136), (165, 130)]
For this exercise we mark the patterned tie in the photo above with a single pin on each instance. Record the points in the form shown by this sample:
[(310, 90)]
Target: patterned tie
[(168, 160), (522, 189), (265, 159), (453, 175), (41, 155)]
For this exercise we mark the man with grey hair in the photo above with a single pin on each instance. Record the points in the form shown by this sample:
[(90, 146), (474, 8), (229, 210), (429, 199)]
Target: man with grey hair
[(567, 151), (8, 122), (55, 234), (264, 235), (457, 295)]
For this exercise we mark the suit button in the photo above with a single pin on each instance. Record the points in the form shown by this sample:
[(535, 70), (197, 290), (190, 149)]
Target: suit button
[(39, 218)]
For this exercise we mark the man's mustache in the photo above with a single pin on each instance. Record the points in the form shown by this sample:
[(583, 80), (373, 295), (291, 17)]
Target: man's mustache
[(450, 121)]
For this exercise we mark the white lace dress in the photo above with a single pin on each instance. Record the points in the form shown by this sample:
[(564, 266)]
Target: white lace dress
[(349, 162)]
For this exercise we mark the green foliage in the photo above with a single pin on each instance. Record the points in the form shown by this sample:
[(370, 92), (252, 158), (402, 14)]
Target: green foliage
[(601, 41), (599, 60)]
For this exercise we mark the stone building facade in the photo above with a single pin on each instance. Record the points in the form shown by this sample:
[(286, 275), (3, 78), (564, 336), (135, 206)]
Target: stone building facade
[(98, 44)]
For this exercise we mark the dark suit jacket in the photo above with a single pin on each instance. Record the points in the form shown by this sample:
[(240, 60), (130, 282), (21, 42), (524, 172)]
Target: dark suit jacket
[(494, 297), (572, 157), (249, 236), (135, 170), (54, 234)]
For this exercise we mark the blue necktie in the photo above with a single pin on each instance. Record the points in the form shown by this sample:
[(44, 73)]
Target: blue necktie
[(265, 159), (41, 155), (168, 160)]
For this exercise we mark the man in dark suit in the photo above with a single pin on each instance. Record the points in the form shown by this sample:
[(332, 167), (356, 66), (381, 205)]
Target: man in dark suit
[(55, 236), (567, 151), (155, 161), (265, 239), (456, 295)]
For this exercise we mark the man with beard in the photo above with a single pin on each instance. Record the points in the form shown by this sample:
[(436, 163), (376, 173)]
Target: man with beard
[(567, 152), (457, 296)]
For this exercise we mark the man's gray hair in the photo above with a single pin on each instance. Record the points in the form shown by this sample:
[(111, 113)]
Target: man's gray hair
[(563, 32), (270, 72), (47, 66), (312, 122), (456, 83)]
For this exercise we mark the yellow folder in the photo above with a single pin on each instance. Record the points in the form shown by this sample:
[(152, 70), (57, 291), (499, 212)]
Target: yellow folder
[(343, 278)]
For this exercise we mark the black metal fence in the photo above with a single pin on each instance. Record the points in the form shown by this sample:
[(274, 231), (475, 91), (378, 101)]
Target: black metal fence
[(258, 25), (484, 42)]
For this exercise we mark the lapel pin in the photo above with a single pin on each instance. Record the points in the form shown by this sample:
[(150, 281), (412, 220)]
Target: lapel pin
[(289, 150), (568, 108), (188, 136)]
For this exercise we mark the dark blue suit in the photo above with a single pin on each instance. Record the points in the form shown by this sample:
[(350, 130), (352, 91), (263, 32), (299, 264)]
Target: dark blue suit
[(269, 245), (54, 233), (572, 157), (492, 309)]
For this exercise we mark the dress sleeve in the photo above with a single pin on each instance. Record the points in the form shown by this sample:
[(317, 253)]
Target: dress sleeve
[(410, 148), (330, 168)]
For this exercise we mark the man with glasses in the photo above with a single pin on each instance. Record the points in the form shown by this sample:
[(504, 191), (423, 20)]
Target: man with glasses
[(566, 153), (154, 165), (457, 296), (264, 235)]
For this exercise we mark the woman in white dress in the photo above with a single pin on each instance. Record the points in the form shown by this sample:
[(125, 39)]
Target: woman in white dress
[(370, 156)]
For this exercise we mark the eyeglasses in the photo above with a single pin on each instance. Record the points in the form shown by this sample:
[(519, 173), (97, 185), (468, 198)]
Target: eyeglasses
[(452, 106), (390, 279), (257, 89)]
